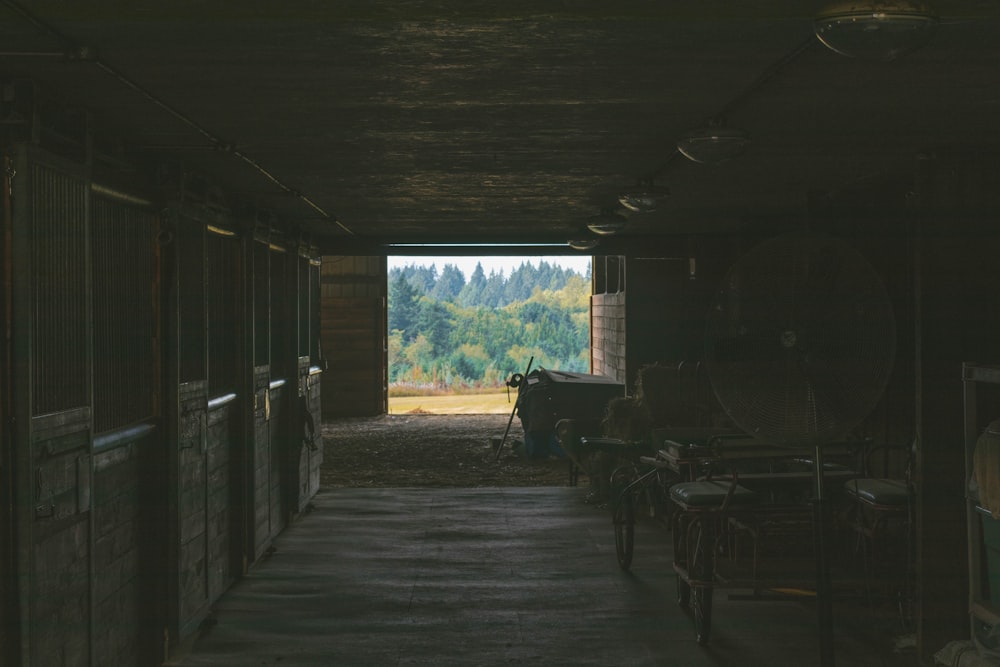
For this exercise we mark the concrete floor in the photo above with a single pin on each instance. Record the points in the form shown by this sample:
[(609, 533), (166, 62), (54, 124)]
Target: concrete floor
[(499, 577)]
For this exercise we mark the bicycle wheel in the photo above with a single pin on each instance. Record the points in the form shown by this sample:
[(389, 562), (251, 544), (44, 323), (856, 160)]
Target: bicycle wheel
[(624, 521), (703, 565)]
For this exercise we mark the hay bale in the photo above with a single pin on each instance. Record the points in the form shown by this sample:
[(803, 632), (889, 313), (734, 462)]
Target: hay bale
[(658, 391), (626, 419), (676, 395)]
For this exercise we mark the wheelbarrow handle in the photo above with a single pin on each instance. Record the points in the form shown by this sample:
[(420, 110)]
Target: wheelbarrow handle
[(524, 378)]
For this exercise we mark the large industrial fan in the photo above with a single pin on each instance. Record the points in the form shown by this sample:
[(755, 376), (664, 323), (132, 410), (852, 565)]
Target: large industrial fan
[(800, 344)]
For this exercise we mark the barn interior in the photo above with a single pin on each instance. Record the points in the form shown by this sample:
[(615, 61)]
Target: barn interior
[(176, 176)]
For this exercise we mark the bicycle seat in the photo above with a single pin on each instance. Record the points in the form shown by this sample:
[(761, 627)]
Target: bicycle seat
[(710, 493)]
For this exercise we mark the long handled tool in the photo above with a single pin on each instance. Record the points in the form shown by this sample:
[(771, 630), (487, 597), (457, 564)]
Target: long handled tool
[(517, 401)]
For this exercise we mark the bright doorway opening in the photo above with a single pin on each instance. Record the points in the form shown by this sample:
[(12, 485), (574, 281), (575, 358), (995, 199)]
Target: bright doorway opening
[(460, 327)]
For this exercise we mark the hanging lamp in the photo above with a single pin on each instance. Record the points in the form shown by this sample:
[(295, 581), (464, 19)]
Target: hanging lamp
[(607, 222), (875, 30), (713, 143), (583, 243), (645, 197)]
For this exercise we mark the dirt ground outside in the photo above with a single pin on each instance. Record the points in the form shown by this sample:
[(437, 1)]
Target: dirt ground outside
[(422, 450)]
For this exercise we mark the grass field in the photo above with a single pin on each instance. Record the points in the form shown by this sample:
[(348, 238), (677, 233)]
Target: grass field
[(458, 404)]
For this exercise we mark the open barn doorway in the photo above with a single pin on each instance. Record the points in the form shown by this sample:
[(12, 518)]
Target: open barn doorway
[(458, 328), (368, 445)]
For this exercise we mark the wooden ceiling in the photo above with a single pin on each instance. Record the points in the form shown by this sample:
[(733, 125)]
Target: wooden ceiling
[(462, 121)]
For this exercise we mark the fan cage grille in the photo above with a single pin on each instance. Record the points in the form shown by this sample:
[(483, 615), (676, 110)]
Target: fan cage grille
[(800, 340)]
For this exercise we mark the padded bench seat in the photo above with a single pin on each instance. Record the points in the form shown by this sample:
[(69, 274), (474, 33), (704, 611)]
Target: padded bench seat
[(886, 492), (613, 445), (710, 493)]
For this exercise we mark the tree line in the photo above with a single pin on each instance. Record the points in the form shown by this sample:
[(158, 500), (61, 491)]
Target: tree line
[(446, 332)]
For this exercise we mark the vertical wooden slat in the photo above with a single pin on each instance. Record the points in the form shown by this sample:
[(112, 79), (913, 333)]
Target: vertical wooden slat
[(60, 298), (124, 317), (224, 312)]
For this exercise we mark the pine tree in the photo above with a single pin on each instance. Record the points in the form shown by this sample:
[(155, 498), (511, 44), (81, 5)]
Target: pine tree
[(403, 307), (449, 285), (471, 294), (433, 322), (425, 278), (492, 295)]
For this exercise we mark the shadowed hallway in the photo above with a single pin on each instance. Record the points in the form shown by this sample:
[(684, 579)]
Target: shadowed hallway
[(495, 577)]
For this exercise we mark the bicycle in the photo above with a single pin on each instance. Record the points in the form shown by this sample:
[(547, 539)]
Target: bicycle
[(631, 488)]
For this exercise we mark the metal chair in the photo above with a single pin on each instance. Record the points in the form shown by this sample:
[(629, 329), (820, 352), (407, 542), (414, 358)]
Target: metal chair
[(881, 515)]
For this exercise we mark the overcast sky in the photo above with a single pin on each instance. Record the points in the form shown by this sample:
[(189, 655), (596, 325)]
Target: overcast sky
[(502, 264)]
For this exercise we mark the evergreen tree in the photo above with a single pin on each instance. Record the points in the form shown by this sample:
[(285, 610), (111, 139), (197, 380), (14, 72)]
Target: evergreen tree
[(424, 278), (449, 285), (403, 307), (518, 287), (492, 295), (471, 294), (559, 277), (432, 321)]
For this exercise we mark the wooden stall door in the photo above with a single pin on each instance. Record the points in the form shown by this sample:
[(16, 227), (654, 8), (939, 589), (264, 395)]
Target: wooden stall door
[(206, 469), (305, 434), (227, 405), (276, 430), (52, 437), (269, 474), (269, 513), (187, 420), (261, 473), (307, 438)]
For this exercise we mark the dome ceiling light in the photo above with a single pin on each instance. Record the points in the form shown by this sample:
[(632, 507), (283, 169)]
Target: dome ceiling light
[(607, 222), (713, 144), (876, 30), (583, 244), (645, 197)]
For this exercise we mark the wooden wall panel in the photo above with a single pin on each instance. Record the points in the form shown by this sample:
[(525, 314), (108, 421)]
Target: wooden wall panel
[(353, 335), (60, 595), (260, 504), (313, 440), (219, 500), (276, 495), (122, 603), (346, 277), (192, 589), (607, 335), (60, 588), (307, 440)]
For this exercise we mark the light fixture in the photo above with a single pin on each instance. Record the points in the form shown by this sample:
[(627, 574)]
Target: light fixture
[(583, 244), (220, 231), (607, 222), (713, 144), (875, 30), (645, 197)]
